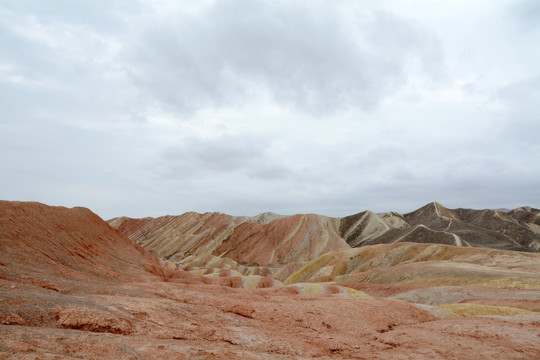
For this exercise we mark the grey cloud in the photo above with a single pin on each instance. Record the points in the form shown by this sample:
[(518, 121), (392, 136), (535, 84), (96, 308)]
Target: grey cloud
[(526, 13), (271, 172), (316, 56), (57, 68), (90, 92), (106, 16), (522, 102), (219, 154), (479, 189), (525, 91), (401, 39), (392, 176)]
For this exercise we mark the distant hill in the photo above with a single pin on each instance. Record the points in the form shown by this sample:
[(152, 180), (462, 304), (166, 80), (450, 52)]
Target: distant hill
[(433, 223), (272, 239)]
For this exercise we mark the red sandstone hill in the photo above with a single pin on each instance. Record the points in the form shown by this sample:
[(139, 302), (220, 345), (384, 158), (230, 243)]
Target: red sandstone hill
[(297, 238), (73, 287), (41, 243), (175, 237), (274, 240), (267, 239)]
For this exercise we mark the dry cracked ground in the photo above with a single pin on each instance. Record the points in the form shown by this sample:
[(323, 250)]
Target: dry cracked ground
[(431, 284)]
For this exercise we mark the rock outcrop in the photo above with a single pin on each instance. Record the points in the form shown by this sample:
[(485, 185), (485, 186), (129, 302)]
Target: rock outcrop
[(434, 223), (40, 244), (175, 237), (298, 238)]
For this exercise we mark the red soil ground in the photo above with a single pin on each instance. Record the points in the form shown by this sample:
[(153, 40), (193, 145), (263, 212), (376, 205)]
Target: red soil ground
[(73, 287)]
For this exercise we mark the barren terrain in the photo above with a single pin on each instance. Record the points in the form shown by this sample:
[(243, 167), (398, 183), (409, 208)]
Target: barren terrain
[(72, 287)]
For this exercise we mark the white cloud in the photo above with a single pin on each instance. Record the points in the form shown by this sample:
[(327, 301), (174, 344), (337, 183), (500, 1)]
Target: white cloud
[(146, 108), (313, 56)]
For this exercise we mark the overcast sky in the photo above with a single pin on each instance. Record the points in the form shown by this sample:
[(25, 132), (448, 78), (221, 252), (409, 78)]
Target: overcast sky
[(147, 108)]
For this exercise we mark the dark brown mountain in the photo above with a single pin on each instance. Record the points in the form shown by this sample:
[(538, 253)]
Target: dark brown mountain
[(494, 229)]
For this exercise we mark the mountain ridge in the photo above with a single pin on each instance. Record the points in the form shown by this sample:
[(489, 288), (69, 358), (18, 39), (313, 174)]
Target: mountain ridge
[(169, 236)]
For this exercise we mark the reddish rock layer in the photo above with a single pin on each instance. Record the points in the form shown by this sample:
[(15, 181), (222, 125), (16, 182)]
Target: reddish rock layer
[(65, 243), (106, 302), (175, 237), (297, 238), (46, 245), (271, 239)]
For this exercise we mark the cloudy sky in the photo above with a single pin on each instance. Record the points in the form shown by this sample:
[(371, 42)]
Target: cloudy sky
[(147, 108)]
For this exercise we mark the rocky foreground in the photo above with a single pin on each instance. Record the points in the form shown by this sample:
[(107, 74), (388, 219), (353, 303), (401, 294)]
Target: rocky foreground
[(72, 287)]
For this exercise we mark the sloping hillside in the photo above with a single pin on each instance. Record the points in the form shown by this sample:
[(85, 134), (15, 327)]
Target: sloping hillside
[(272, 239), (433, 274), (266, 239), (434, 223), (57, 242), (298, 238), (414, 264), (73, 287)]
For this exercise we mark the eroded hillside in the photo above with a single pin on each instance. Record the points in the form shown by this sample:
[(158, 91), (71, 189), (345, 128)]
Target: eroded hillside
[(273, 240), (73, 287)]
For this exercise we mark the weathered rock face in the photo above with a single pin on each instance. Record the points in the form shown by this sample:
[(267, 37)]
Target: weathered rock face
[(365, 226), (433, 223), (73, 287), (297, 238), (266, 239), (527, 215), (175, 237), (59, 242)]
